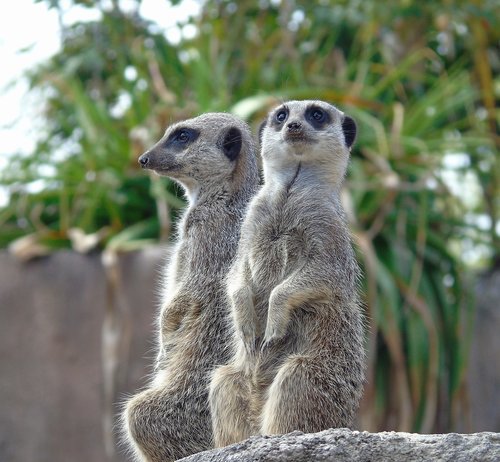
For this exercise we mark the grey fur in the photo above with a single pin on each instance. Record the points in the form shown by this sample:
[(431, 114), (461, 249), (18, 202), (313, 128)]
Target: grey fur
[(218, 171), (299, 355)]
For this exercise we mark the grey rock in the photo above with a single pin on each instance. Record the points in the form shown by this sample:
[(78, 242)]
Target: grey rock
[(342, 444)]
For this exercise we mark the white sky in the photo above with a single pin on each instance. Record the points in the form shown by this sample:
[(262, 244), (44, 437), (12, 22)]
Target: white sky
[(22, 24), (28, 25)]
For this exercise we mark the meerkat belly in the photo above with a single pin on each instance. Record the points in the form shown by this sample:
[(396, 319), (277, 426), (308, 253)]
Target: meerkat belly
[(277, 254)]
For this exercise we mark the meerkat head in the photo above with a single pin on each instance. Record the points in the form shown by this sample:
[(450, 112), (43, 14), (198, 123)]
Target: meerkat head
[(308, 132), (206, 150)]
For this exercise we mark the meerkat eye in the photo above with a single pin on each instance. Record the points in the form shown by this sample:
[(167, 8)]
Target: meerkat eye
[(183, 136), (281, 116), (318, 115)]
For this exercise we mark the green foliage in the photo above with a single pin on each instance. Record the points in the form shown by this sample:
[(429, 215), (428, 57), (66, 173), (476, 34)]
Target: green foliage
[(417, 77)]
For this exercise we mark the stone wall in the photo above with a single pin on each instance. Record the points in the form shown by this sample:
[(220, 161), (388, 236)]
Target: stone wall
[(51, 382), (484, 363)]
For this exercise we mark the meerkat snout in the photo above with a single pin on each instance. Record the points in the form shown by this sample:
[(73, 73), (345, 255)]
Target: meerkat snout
[(295, 133), (144, 159), (294, 126)]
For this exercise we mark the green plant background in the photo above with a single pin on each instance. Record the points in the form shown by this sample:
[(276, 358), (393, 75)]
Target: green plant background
[(420, 78)]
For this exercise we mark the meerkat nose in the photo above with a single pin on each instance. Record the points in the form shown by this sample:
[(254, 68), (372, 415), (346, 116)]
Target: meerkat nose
[(294, 126), (143, 160)]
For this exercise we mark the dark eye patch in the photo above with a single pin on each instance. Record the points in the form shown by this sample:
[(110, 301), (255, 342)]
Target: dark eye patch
[(181, 138), (317, 117), (279, 117)]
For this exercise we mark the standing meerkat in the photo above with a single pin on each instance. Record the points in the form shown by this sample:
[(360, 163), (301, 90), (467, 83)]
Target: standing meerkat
[(212, 156), (299, 357)]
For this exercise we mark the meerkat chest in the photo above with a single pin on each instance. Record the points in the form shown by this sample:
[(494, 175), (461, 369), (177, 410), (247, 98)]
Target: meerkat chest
[(278, 246)]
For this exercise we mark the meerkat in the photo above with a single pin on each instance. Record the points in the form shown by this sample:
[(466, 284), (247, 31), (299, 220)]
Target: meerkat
[(212, 156), (299, 355)]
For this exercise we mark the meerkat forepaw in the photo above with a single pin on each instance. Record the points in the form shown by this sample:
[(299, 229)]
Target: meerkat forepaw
[(277, 317), (274, 332), (248, 338), (171, 317), (266, 344), (169, 326)]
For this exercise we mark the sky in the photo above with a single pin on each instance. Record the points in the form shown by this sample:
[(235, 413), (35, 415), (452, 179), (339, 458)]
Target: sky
[(23, 24)]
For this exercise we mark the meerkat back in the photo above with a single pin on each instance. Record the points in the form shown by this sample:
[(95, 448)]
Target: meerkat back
[(299, 364), (212, 157)]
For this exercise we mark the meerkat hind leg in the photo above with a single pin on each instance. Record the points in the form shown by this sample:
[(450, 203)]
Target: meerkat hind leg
[(160, 428), (230, 405), (302, 398)]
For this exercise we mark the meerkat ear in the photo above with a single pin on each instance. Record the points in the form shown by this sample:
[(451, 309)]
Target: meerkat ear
[(349, 129), (261, 130), (231, 144)]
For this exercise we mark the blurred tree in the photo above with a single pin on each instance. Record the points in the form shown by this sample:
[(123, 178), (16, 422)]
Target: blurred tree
[(421, 79)]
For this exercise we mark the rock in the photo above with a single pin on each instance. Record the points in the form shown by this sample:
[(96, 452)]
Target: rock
[(342, 444)]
